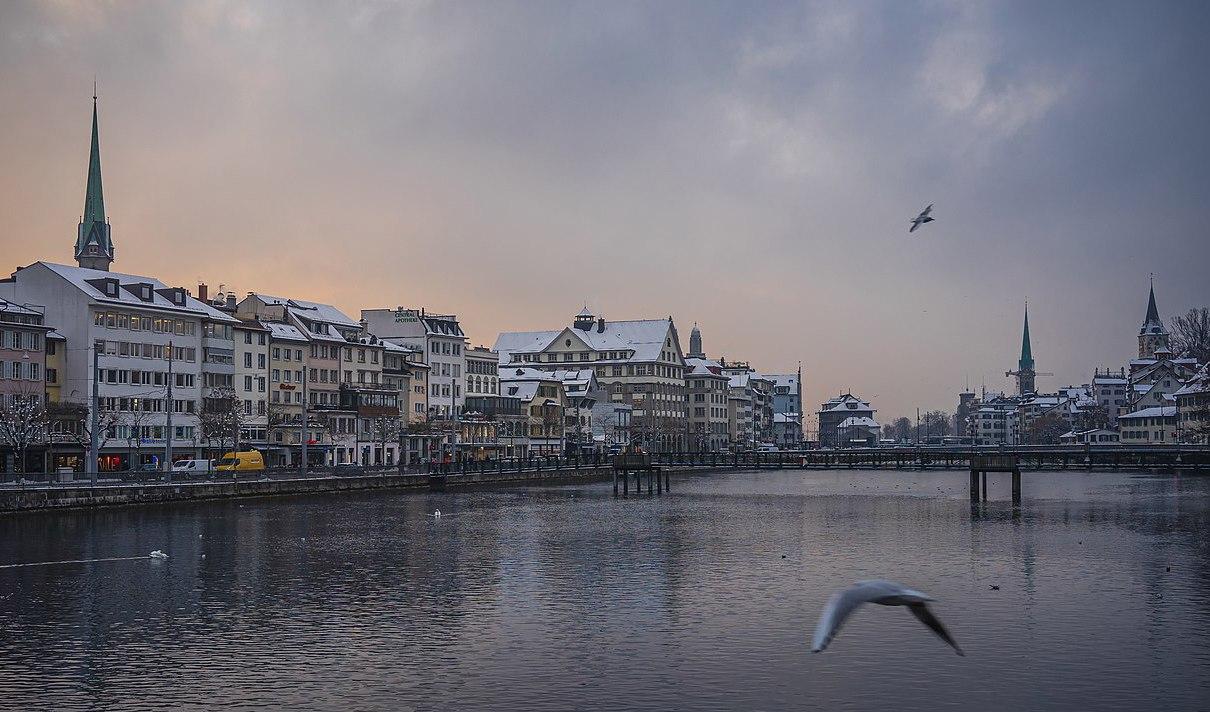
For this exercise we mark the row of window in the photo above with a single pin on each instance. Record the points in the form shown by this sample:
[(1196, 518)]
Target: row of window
[(147, 432), (134, 322), (572, 356), (21, 340), (21, 370), (140, 350), (145, 405), (144, 378)]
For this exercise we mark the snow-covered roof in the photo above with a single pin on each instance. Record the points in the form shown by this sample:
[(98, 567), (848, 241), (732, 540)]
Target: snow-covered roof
[(79, 277), (313, 311), (845, 402), (1200, 383), (703, 367), (853, 422), (786, 417), (784, 379), (14, 308), (739, 380), (1159, 411), (278, 330), (645, 337)]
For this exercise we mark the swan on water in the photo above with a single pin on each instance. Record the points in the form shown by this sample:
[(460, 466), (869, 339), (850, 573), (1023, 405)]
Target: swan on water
[(157, 554), (884, 593)]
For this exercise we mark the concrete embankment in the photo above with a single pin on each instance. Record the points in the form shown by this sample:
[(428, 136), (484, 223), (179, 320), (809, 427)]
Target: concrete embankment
[(75, 495)]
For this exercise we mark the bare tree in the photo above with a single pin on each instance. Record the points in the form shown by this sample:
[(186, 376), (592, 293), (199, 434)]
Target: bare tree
[(1046, 429), (385, 429), (1191, 334), (22, 424), (221, 419), (901, 429), (936, 423), (69, 420)]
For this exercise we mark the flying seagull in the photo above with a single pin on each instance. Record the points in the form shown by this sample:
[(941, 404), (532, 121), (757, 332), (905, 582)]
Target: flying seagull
[(922, 218), (884, 593)]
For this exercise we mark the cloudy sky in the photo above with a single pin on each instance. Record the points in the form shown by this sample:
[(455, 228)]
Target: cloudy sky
[(748, 166)]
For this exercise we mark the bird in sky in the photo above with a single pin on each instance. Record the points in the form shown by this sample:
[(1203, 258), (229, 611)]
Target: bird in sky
[(922, 218), (885, 593)]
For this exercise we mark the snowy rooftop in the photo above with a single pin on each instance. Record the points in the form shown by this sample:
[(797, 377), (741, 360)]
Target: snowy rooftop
[(80, 277), (644, 337), (1166, 411), (854, 422), (278, 330), (313, 311)]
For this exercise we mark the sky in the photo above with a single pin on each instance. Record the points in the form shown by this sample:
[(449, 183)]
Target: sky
[(751, 167)]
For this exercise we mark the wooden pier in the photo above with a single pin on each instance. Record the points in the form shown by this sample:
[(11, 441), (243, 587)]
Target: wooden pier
[(983, 464), (636, 464)]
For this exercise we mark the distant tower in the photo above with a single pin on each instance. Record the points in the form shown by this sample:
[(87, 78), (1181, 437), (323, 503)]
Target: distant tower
[(695, 343), (94, 248), (1153, 336), (1025, 372), (584, 320)]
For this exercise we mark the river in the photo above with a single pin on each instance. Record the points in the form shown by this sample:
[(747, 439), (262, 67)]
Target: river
[(565, 598)]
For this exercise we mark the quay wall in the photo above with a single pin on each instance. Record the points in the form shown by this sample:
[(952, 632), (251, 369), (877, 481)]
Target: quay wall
[(77, 495)]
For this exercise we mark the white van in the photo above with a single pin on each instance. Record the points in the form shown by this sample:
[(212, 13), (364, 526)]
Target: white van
[(192, 466)]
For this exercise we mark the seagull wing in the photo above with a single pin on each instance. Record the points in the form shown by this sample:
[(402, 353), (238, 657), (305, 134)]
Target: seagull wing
[(922, 612), (915, 224), (927, 210), (840, 606)]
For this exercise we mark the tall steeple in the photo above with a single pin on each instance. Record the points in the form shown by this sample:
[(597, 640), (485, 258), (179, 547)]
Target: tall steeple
[(1025, 373), (94, 247), (1027, 354), (1153, 336), (695, 343)]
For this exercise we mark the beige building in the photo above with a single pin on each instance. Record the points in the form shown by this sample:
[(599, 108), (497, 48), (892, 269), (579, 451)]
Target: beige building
[(708, 410), (639, 363)]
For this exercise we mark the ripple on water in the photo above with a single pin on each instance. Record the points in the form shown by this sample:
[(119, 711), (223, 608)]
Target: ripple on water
[(566, 598)]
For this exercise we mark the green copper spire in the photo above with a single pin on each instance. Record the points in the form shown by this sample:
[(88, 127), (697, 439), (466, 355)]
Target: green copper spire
[(1027, 357), (94, 247)]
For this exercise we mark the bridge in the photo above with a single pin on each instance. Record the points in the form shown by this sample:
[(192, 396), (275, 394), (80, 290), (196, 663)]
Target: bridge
[(1183, 458)]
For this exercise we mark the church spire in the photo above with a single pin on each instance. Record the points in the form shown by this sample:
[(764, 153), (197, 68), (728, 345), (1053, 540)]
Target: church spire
[(1153, 337), (94, 247), (1153, 314), (1027, 356)]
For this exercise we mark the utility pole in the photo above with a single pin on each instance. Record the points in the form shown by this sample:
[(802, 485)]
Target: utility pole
[(168, 429), (94, 454), (917, 427), (304, 438)]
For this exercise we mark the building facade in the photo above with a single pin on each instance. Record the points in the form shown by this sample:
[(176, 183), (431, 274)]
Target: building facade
[(639, 363)]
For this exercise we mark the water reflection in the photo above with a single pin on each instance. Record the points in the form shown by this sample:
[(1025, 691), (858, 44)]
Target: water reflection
[(565, 597)]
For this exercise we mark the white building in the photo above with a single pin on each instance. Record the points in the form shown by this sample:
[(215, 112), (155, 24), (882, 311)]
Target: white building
[(142, 328), (1156, 425), (441, 341)]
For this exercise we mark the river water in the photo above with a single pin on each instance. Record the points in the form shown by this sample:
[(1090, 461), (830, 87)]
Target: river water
[(565, 598)]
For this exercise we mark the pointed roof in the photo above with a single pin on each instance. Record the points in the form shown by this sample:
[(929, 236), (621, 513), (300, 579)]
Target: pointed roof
[(1027, 356), (93, 228), (1153, 314)]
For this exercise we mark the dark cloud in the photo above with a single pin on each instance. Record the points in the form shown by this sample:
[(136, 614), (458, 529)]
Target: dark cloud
[(751, 167)]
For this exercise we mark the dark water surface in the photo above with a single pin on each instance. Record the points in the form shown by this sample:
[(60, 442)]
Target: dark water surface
[(563, 598)]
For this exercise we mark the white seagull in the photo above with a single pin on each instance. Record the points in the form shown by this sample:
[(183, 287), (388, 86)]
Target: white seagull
[(436, 514), (884, 593), (157, 554), (922, 218)]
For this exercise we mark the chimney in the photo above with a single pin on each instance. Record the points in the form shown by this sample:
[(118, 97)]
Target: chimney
[(231, 300), (601, 325), (365, 327), (203, 294)]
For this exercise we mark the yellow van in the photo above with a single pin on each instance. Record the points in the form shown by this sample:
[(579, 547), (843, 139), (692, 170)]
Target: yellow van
[(249, 460)]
